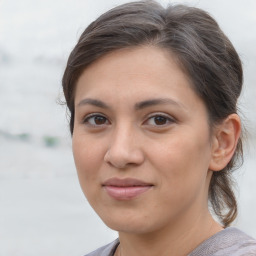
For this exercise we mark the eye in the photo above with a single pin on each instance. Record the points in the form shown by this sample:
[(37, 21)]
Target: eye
[(159, 120), (96, 120)]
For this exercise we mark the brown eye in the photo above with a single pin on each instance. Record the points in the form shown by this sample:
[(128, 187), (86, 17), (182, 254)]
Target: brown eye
[(100, 120), (96, 120), (159, 120)]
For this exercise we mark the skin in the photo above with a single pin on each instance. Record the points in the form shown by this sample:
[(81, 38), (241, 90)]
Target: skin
[(124, 129)]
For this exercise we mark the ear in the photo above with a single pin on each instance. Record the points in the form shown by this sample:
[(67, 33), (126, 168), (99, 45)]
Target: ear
[(224, 142)]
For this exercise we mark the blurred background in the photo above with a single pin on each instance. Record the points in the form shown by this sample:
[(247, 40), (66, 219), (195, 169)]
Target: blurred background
[(42, 209)]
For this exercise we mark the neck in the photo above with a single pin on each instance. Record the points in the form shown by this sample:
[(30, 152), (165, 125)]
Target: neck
[(172, 240)]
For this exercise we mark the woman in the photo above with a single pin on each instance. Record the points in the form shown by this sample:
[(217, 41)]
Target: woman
[(153, 94)]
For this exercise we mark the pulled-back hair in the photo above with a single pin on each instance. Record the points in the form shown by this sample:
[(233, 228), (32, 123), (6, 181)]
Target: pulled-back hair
[(203, 52)]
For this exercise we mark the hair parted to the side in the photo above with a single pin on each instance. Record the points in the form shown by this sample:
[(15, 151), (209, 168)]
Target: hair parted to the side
[(203, 51)]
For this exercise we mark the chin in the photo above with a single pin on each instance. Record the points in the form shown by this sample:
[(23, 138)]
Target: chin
[(129, 224), (129, 227)]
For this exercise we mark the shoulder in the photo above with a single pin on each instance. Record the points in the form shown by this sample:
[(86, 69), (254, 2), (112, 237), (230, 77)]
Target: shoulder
[(107, 250), (231, 241)]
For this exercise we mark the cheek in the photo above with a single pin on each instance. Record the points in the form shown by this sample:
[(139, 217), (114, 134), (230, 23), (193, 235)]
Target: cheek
[(182, 160), (87, 159)]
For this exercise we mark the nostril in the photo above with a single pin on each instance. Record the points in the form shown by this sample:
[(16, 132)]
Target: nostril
[(123, 158)]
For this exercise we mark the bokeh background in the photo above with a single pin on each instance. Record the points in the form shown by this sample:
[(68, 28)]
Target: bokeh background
[(42, 209)]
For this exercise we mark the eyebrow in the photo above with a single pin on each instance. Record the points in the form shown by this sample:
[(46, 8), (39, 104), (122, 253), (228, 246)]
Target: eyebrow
[(94, 102), (160, 101), (138, 106)]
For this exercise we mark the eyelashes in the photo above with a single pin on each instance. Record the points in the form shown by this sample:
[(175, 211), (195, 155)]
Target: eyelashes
[(154, 120), (158, 119), (96, 120)]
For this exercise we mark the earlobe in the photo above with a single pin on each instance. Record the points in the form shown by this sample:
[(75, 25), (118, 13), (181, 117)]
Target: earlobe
[(224, 142)]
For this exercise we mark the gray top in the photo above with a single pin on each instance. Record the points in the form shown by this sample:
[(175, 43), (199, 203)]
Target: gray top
[(228, 242)]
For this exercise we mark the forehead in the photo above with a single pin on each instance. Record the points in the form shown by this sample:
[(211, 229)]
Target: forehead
[(131, 63), (135, 74)]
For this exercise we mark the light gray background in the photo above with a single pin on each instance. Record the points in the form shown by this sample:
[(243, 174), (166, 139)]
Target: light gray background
[(42, 209)]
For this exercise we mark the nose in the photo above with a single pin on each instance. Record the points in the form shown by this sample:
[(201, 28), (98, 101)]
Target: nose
[(124, 149)]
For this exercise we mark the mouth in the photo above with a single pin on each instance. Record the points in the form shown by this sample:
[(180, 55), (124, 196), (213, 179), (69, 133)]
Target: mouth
[(125, 189)]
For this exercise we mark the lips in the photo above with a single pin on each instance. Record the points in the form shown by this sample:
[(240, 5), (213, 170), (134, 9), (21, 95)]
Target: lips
[(125, 189)]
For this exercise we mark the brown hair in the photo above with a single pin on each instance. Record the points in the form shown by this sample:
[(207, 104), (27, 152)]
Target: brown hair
[(203, 51)]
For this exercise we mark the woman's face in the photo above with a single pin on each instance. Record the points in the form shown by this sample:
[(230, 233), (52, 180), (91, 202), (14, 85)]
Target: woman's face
[(141, 141)]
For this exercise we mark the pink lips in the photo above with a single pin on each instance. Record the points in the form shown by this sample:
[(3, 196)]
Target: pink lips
[(125, 189)]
